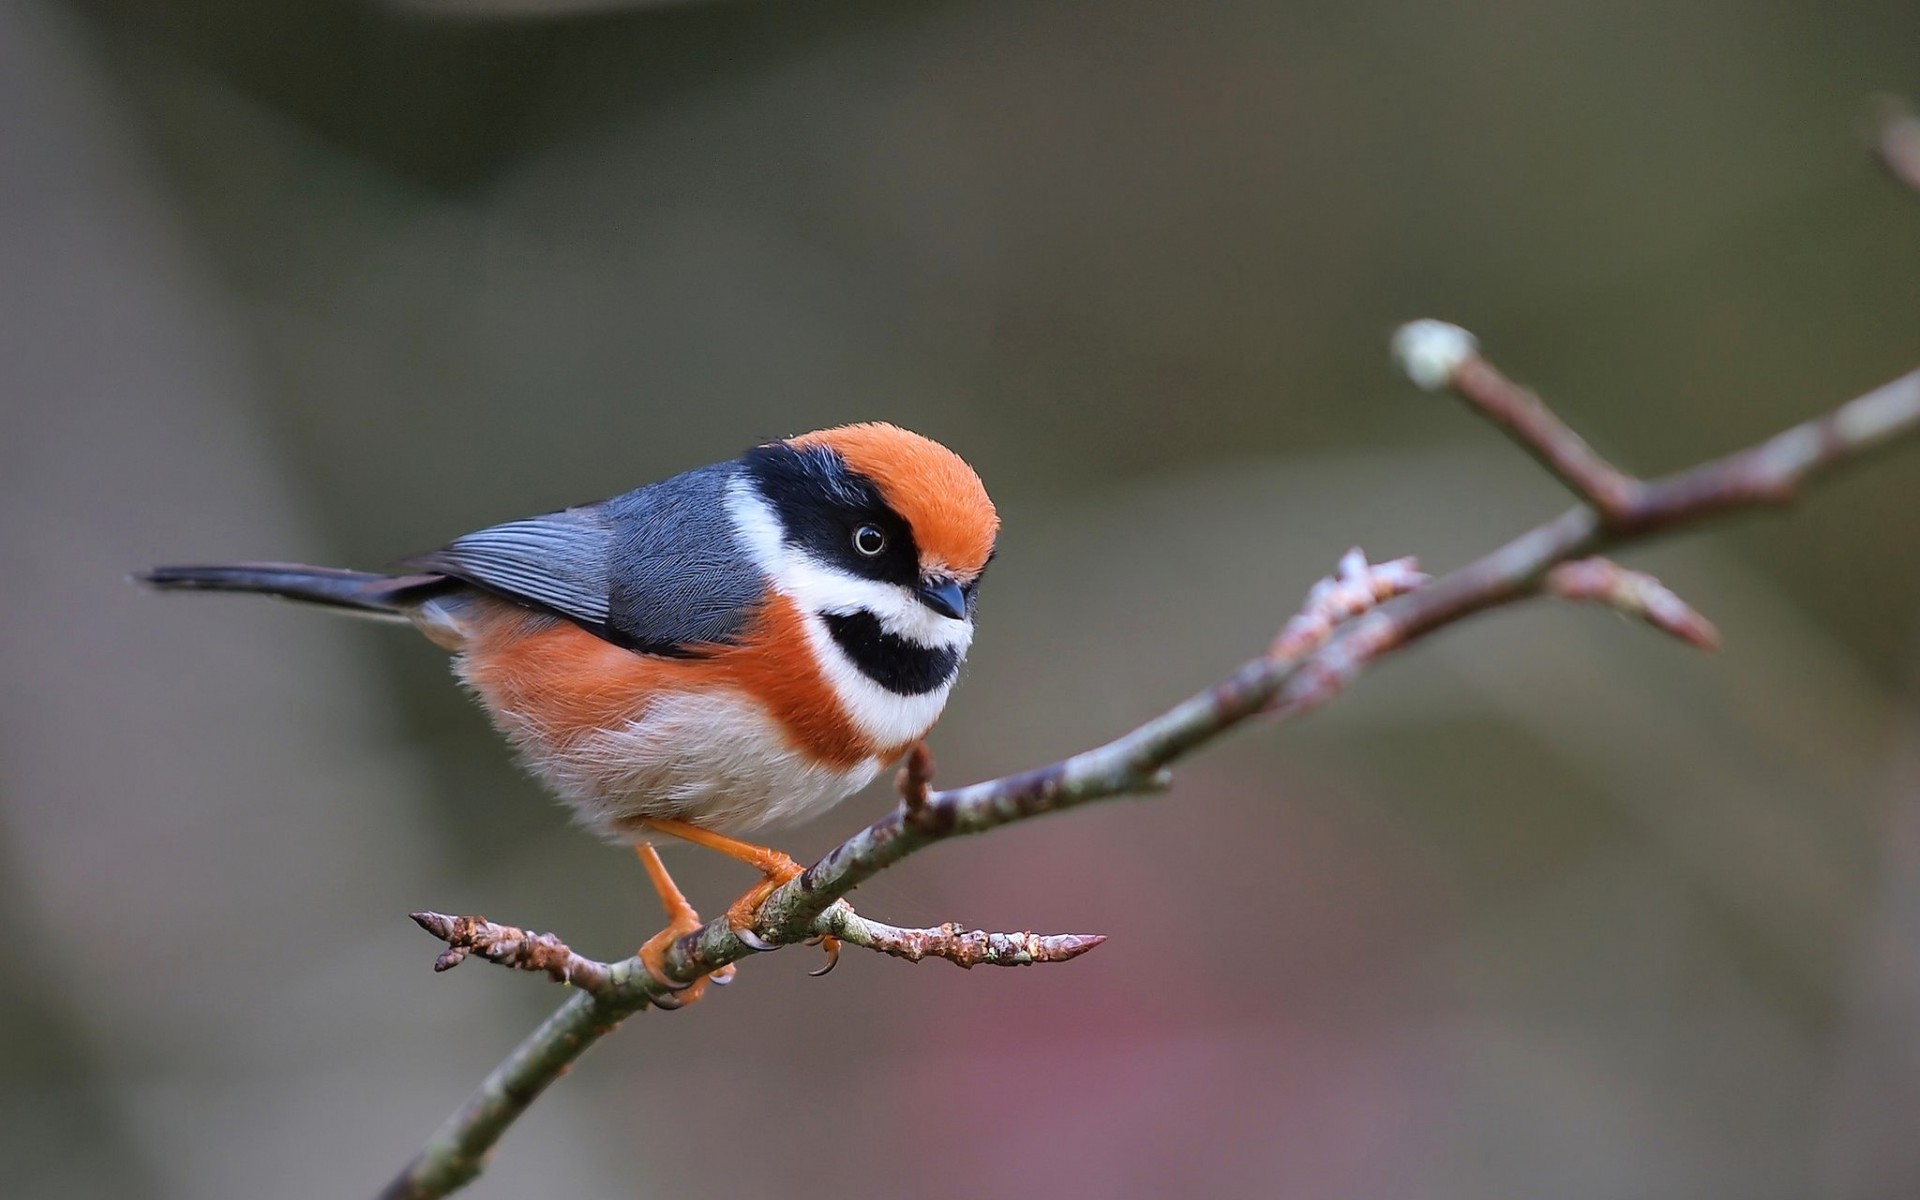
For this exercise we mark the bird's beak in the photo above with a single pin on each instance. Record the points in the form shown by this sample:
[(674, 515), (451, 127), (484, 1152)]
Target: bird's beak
[(944, 597)]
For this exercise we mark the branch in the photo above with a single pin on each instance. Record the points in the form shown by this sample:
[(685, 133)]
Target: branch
[(454, 1155), (972, 949), (1635, 593), (1361, 614), (1435, 354)]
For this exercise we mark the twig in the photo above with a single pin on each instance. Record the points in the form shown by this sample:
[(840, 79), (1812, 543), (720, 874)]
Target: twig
[(512, 947), (1350, 621), (1353, 588), (1635, 593), (915, 779), (963, 949), (457, 1151), (1435, 354)]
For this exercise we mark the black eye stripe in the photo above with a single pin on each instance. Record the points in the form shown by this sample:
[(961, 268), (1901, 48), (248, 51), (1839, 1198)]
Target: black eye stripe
[(823, 506)]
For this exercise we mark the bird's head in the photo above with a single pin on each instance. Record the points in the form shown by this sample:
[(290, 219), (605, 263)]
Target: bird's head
[(880, 532)]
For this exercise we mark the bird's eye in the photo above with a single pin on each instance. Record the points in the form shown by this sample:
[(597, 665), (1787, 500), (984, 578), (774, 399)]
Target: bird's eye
[(868, 540)]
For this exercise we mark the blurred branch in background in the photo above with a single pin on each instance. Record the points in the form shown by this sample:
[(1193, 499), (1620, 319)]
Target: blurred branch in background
[(1349, 621)]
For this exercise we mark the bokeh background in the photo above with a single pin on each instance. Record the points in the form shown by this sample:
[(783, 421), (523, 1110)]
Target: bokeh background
[(1550, 906)]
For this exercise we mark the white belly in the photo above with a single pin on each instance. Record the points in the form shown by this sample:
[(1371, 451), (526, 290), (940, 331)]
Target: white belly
[(712, 758)]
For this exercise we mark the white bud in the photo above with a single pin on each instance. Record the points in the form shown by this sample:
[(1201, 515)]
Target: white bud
[(1431, 351)]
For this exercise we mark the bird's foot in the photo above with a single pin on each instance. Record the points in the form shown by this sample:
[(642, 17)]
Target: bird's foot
[(681, 921), (744, 913), (653, 957)]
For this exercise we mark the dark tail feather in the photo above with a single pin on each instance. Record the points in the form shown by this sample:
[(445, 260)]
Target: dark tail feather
[(355, 591)]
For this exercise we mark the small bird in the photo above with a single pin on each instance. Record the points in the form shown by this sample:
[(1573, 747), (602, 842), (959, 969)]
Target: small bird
[(742, 645)]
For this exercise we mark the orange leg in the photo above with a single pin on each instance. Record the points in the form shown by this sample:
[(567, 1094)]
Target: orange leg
[(775, 868), (681, 920)]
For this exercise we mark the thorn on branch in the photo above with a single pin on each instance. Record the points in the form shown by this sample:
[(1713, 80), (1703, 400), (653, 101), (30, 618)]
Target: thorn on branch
[(1355, 587), (511, 947), (1634, 593)]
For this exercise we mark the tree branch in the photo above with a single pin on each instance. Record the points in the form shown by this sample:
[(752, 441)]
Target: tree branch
[(512, 947), (1635, 593), (1349, 621), (457, 1151), (971, 949)]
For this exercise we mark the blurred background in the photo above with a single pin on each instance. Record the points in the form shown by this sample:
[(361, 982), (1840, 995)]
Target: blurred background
[(1549, 906)]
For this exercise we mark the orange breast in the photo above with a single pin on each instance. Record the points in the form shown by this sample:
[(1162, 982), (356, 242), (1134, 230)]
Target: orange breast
[(566, 683)]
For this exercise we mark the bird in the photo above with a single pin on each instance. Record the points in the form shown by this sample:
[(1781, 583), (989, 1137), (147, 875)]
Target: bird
[(739, 646)]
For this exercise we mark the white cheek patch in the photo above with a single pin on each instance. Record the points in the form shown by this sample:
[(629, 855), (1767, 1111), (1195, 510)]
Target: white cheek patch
[(819, 588), (887, 717)]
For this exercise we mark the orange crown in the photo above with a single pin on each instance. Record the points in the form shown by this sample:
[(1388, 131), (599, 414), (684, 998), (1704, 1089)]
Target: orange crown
[(932, 488)]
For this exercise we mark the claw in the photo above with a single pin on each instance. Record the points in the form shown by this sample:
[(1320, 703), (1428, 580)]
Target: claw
[(832, 946), (653, 954), (673, 1003), (742, 913), (776, 870)]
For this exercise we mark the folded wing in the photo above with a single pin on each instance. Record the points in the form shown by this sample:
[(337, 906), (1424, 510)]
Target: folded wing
[(655, 570)]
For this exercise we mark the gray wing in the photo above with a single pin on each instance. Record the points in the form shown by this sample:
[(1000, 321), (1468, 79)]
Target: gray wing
[(656, 570), (557, 562)]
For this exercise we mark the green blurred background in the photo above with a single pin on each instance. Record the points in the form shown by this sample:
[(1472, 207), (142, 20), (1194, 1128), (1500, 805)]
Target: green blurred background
[(1548, 907)]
